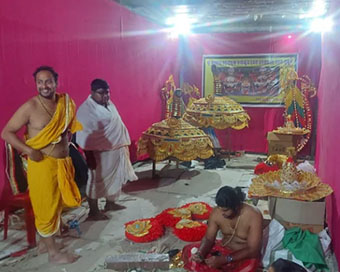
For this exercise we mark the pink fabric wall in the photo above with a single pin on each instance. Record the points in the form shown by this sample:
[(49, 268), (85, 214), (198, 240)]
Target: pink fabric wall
[(88, 40), (263, 120), (328, 148), (83, 40)]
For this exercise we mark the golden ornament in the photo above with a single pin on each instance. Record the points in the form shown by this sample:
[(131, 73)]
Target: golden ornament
[(187, 223), (139, 228), (181, 212), (310, 189), (198, 208)]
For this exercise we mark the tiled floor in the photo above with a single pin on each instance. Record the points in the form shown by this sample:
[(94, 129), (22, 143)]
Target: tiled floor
[(143, 198)]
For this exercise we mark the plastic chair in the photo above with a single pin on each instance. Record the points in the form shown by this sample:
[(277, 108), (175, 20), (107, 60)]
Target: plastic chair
[(20, 199)]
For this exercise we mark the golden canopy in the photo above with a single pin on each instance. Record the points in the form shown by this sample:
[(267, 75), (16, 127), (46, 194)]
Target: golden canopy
[(173, 137), (219, 112)]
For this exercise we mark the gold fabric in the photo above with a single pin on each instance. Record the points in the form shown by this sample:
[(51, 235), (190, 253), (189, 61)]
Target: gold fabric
[(174, 137), (139, 228), (219, 112), (313, 189), (51, 181)]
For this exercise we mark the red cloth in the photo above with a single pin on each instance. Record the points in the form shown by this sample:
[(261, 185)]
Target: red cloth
[(248, 265), (262, 168)]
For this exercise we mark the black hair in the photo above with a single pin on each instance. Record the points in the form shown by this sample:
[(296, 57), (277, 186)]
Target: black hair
[(46, 68), (228, 197), (99, 84), (281, 265)]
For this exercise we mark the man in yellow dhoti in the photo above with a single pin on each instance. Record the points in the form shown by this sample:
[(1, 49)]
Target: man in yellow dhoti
[(48, 118), (105, 140)]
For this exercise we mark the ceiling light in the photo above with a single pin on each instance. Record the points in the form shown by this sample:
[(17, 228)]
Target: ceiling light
[(181, 9), (180, 25), (318, 9), (321, 25)]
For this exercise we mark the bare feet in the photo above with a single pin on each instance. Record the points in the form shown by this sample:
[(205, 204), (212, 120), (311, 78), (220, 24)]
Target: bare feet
[(112, 206), (43, 249), (63, 258), (97, 216)]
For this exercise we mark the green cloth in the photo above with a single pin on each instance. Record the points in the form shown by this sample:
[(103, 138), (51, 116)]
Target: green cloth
[(306, 247)]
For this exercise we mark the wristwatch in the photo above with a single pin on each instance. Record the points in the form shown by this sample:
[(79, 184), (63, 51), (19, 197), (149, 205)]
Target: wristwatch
[(229, 259)]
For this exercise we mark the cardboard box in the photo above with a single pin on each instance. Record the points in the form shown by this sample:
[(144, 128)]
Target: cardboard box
[(294, 213), (278, 143)]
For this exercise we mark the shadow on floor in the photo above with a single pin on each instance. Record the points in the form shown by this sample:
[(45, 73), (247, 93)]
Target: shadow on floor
[(163, 178)]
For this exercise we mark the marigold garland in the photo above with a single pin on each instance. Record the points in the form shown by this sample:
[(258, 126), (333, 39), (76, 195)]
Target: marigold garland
[(143, 230), (171, 216), (199, 210), (189, 230)]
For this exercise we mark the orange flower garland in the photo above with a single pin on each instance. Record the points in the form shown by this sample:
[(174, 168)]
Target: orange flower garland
[(143, 230), (189, 230), (199, 210)]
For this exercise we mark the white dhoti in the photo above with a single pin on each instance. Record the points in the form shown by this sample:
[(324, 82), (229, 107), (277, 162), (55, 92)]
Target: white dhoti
[(105, 135), (113, 170)]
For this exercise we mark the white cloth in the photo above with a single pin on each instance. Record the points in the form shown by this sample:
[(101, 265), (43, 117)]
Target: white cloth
[(272, 237), (106, 136), (113, 170), (103, 129)]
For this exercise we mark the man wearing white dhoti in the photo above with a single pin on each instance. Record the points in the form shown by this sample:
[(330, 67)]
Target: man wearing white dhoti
[(105, 140)]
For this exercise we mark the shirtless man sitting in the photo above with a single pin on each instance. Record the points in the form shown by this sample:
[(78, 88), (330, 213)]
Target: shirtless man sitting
[(241, 226)]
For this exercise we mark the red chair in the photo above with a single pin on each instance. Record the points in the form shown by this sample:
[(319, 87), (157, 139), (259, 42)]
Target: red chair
[(20, 199)]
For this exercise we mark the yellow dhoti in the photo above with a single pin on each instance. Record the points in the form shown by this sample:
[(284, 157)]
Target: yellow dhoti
[(46, 181), (51, 181)]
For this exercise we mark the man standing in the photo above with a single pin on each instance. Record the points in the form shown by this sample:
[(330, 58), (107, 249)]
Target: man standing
[(241, 227), (48, 118), (105, 141)]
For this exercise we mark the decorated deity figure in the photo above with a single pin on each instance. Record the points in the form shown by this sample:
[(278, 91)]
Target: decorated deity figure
[(167, 95), (289, 122)]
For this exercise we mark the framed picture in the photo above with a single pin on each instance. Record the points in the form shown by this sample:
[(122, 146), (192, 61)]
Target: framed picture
[(248, 79)]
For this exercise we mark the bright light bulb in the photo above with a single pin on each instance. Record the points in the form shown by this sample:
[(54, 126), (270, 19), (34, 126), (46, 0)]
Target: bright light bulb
[(181, 25), (182, 9), (318, 9), (321, 25)]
